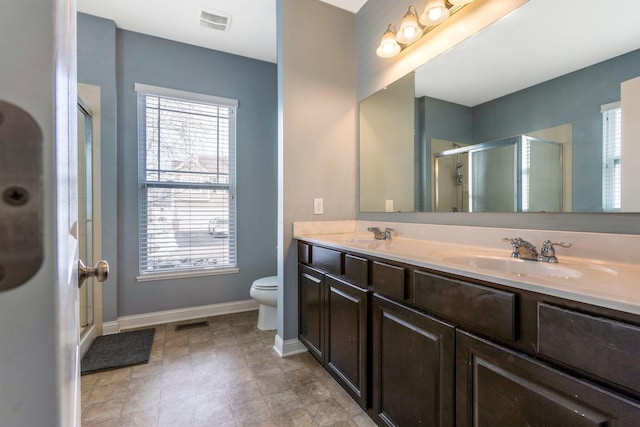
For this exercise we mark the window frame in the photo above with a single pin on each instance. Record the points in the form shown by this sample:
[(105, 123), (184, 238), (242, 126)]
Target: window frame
[(610, 179), (142, 91)]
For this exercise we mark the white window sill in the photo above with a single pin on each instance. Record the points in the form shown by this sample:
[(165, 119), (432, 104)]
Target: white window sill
[(151, 277)]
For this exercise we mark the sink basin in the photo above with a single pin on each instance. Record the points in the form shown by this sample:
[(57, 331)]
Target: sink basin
[(514, 266), (368, 242)]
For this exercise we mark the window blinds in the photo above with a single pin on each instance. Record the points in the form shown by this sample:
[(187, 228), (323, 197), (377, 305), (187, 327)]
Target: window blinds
[(611, 155), (187, 207)]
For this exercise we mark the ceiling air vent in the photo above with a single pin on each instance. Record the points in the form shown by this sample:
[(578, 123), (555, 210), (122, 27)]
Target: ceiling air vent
[(216, 20)]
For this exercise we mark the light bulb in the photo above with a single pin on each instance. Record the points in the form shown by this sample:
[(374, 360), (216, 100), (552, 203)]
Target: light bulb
[(410, 30), (435, 12), (388, 45)]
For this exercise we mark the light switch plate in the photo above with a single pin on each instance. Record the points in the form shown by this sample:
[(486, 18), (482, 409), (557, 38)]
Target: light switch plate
[(318, 206), (388, 205)]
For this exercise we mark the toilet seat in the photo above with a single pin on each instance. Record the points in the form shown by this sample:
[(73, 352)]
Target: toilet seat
[(266, 283)]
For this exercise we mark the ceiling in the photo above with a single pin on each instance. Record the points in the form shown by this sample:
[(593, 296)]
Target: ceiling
[(252, 32), (539, 41)]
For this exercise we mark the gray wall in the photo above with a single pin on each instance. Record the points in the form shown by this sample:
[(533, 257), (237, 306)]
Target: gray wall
[(573, 98), (159, 62), (555, 102), (442, 120), (317, 127), (97, 66), (116, 59)]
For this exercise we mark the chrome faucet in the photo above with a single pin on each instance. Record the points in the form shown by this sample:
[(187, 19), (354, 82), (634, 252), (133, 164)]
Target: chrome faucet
[(381, 235), (522, 249), (547, 253), (526, 251)]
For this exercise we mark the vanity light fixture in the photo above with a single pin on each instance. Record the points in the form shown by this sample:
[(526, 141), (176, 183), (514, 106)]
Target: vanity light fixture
[(389, 47), (410, 30), (412, 27), (435, 12)]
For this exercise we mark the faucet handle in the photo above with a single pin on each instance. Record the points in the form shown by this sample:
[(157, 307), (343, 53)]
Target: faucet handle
[(548, 250), (512, 240), (515, 242), (387, 233), (377, 234)]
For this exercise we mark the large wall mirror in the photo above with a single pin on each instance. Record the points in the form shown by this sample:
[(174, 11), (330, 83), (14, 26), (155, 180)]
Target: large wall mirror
[(538, 112)]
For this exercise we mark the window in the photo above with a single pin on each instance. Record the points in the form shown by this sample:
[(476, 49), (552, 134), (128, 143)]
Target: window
[(186, 173), (611, 154)]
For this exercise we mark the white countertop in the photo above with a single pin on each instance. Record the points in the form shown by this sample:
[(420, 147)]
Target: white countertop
[(615, 285)]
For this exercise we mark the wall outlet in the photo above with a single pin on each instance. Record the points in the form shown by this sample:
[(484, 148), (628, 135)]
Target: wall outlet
[(388, 205), (318, 206)]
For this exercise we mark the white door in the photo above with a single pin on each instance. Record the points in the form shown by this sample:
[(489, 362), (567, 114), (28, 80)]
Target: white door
[(39, 382)]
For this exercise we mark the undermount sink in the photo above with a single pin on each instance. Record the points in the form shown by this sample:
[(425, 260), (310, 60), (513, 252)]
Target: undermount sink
[(368, 242), (512, 265)]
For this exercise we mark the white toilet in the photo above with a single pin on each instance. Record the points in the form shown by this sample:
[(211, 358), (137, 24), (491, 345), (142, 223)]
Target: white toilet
[(265, 292)]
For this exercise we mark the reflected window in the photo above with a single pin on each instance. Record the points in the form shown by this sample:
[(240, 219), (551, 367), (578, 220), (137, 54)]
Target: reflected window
[(611, 154)]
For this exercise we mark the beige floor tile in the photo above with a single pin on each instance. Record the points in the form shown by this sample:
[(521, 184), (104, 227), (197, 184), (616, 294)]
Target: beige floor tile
[(312, 393), (296, 418), (224, 374), (243, 392), (102, 412), (282, 403), (216, 417), (328, 412), (142, 418), (141, 399), (250, 412)]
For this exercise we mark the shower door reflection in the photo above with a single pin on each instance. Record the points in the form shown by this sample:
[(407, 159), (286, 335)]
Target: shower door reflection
[(85, 212), (517, 174)]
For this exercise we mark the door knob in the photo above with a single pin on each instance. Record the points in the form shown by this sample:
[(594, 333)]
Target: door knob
[(100, 271)]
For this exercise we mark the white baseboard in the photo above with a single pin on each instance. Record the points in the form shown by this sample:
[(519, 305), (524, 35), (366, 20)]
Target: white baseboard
[(109, 328), (289, 347), (178, 315)]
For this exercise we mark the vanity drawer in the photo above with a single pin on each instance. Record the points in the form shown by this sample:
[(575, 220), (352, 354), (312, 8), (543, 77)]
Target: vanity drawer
[(599, 346), (304, 253), (327, 259), (479, 307), (389, 280), (356, 270)]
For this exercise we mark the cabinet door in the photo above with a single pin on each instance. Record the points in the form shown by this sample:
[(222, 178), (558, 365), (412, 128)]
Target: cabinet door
[(347, 337), (311, 315), (498, 387), (413, 367)]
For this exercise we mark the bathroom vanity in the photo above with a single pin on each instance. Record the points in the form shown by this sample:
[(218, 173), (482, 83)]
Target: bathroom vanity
[(418, 335)]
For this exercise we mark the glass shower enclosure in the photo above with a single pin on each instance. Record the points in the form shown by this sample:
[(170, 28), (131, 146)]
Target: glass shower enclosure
[(515, 174)]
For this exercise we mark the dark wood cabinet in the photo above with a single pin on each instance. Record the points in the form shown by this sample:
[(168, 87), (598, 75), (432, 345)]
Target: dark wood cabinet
[(311, 303), (606, 349), (499, 387), (347, 343), (333, 325), (413, 367), (415, 346), (491, 311)]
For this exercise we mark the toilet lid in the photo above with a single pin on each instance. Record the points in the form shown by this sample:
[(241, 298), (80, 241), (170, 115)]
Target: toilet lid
[(266, 283)]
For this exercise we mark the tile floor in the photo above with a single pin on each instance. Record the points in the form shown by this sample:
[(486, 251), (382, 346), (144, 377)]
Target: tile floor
[(226, 374)]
